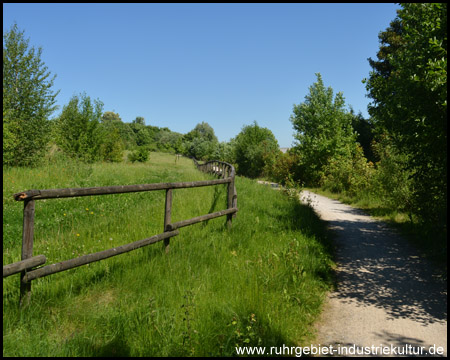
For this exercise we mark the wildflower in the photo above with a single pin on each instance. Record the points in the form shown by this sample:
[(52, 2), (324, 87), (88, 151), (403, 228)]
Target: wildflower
[(92, 213), (87, 209), (64, 214), (78, 234)]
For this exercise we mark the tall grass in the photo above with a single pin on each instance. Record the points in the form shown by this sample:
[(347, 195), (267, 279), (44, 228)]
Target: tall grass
[(260, 283)]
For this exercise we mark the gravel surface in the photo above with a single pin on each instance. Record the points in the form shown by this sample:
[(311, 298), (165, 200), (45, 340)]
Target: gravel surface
[(387, 295)]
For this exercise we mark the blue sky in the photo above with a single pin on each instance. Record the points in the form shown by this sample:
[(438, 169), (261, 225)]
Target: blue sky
[(225, 64)]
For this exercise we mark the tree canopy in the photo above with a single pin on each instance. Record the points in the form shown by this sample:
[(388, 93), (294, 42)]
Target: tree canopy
[(28, 100), (77, 128), (253, 146), (408, 86), (323, 130)]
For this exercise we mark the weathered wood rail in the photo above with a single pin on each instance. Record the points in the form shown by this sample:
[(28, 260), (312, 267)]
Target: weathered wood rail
[(26, 267)]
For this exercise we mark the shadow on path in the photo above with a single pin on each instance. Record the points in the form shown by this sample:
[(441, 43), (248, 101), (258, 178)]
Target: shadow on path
[(379, 268)]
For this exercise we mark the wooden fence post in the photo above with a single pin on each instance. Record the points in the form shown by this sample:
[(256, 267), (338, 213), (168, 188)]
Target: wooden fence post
[(167, 217), (230, 201), (27, 247)]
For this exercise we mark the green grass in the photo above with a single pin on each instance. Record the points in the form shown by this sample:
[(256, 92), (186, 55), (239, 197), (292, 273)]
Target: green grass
[(260, 283)]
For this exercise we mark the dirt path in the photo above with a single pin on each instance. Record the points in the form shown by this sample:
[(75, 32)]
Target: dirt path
[(387, 295)]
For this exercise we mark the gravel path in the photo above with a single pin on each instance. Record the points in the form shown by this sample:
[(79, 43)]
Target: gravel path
[(387, 294)]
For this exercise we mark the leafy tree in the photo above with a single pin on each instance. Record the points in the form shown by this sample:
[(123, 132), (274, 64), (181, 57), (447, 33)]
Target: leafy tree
[(111, 148), (225, 152), (139, 120), (142, 134), (201, 142), (110, 117), (323, 130), (284, 168), (350, 175), (365, 133), (167, 140), (126, 134), (77, 129), (254, 147), (408, 86), (391, 181), (28, 100)]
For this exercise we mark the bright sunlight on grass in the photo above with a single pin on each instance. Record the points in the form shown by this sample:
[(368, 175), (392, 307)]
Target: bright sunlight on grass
[(260, 283)]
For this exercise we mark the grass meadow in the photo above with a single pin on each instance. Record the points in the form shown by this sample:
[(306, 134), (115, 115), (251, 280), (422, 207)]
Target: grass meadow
[(260, 283)]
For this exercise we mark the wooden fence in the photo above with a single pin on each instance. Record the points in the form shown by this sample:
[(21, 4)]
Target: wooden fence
[(26, 266)]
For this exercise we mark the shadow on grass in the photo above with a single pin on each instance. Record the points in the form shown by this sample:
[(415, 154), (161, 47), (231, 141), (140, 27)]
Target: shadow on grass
[(117, 347)]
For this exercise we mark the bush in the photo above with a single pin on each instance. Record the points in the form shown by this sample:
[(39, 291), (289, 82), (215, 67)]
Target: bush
[(392, 181), (284, 169), (254, 148), (111, 149), (140, 155), (350, 175)]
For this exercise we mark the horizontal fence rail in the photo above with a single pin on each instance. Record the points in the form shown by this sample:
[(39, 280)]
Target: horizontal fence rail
[(26, 266), (108, 190), (17, 267)]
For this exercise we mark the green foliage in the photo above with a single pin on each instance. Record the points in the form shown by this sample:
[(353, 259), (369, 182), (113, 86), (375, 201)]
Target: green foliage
[(168, 141), (139, 120), (142, 134), (112, 144), (365, 131), (225, 152), (323, 130), (141, 154), (201, 142), (284, 169), (349, 175), (392, 182), (110, 117), (77, 129), (409, 87), (255, 148), (111, 148), (28, 100)]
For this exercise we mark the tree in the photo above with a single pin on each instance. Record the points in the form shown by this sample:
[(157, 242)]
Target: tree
[(142, 133), (28, 100), (110, 117), (408, 86), (111, 148), (167, 140), (112, 129), (139, 120), (254, 146), (323, 130), (200, 142), (77, 129), (365, 131)]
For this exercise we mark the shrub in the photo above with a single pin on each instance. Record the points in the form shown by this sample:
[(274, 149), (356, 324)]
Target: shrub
[(351, 175), (140, 155), (254, 146), (392, 181)]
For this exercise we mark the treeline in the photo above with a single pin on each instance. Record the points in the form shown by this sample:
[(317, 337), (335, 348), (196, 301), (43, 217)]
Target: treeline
[(85, 132), (398, 155)]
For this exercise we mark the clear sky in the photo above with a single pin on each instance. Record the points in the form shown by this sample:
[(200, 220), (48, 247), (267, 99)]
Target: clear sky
[(225, 64)]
